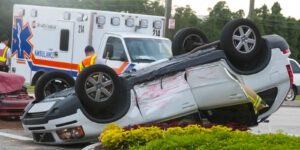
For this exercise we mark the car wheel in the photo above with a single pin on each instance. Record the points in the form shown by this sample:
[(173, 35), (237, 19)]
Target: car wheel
[(291, 96), (52, 82), (187, 39), (98, 88), (241, 40)]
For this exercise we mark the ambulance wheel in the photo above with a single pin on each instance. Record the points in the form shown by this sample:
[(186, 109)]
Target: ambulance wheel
[(52, 82), (187, 39), (241, 40)]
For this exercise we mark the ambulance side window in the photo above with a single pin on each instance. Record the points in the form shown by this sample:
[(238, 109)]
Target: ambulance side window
[(64, 39), (116, 46)]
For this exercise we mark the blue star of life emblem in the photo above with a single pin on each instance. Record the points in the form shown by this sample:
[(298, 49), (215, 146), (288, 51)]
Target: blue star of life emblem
[(21, 36)]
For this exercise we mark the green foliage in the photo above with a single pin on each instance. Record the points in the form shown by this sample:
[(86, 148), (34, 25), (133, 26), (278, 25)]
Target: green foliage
[(223, 140), (193, 137), (114, 137), (271, 21)]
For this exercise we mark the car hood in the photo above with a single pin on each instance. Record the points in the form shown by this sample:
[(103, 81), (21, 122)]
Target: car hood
[(10, 82)]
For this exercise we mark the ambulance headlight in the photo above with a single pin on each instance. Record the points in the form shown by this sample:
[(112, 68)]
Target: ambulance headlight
[(100, 20), (129, 22), (157, 24), (115, 21), (144, 23)]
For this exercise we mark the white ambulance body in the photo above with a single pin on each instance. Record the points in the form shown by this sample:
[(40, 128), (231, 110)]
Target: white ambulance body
[(48, 38)]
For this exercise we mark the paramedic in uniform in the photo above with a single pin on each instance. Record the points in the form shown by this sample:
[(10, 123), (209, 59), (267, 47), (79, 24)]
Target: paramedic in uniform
[(90, 59), (5, 53)]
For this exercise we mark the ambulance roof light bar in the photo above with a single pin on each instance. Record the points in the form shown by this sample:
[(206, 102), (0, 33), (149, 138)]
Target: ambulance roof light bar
[(34, 13), (129, 22), (100, 20), (82, 17), (115, 21), (67, 16), (144, 23), (157, 24), (21, 12)]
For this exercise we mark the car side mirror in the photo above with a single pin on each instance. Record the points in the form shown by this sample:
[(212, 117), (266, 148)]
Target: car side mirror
[(109, 51)]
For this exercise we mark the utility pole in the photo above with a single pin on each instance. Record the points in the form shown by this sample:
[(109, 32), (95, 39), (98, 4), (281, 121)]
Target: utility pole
[(251, 10), (168, 9)]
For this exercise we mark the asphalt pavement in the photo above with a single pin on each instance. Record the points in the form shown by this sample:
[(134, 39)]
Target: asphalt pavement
[(285, 120)]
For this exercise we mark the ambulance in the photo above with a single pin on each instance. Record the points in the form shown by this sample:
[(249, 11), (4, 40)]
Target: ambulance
[(49, 38)]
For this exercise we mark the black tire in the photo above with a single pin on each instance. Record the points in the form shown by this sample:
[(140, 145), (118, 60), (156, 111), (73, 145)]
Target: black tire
[(187, 39), (52, 82), (245, 45), (87, 99), (112, 106), (291, 95)]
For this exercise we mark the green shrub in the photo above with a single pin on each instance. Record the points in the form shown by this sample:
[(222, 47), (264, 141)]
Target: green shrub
[(115, 137), (193, 137), (235, 140)]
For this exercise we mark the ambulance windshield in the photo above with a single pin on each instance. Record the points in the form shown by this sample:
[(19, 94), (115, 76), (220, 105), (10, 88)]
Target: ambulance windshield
[(146, 50)]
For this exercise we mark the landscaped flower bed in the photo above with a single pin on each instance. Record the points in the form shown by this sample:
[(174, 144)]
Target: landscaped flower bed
[(192, 137)]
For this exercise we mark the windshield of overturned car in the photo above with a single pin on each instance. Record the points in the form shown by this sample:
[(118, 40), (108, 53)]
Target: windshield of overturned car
[(144, 50)]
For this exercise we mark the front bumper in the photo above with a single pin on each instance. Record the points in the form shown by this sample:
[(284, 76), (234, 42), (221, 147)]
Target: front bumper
[(65, 113), (47, 133), (14, 105)]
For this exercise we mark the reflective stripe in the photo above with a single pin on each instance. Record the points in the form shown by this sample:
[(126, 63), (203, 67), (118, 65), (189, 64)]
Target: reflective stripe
[(93, 60), (88, 61), (3, 57)]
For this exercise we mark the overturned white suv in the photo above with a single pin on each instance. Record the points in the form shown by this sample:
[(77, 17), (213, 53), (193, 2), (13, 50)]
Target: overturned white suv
[(243, 78)]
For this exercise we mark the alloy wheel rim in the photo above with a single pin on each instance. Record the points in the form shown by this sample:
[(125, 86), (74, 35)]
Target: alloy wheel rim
[(244, 39), (99, 87)]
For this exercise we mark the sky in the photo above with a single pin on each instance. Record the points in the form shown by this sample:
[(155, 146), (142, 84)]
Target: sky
[(289, 7)]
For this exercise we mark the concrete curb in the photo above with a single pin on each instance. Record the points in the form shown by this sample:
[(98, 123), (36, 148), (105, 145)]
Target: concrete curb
[(91, 147)]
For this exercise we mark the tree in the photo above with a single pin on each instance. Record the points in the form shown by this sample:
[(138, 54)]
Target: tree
[(219, 15), (276, 9), (184, 17)]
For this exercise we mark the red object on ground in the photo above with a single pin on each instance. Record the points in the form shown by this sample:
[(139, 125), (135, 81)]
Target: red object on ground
[(13, 96), (10, 82)]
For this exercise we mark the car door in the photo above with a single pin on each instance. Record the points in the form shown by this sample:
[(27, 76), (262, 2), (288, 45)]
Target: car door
[(119, 58), (166, 97), (213, 86)]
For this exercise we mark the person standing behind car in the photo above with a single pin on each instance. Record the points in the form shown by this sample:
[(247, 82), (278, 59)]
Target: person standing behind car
[(5, 53), (89, 60)]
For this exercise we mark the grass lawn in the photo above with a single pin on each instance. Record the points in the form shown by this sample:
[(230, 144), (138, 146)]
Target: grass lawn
[(30, 89), (298, 97)]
